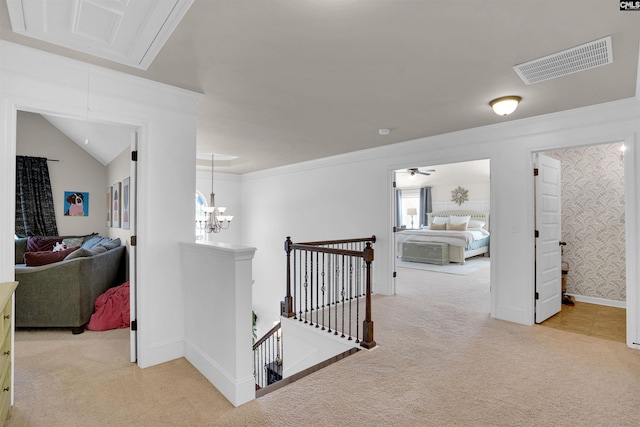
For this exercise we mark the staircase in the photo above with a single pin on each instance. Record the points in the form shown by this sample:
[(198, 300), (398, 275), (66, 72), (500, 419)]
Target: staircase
[(328, 295)]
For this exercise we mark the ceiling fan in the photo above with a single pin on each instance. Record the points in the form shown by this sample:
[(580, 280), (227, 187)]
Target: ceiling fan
[(418, 171)]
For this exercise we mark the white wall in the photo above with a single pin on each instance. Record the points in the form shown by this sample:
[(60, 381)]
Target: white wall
[(217, 282), (351, 196), (77, 170), (32, 80)]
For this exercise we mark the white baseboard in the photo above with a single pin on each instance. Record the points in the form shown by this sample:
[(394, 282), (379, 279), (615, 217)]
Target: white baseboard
[(599, 301)]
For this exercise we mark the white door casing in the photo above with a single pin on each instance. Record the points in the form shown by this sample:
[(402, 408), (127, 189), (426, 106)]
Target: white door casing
[(548, 226), (133, 187)]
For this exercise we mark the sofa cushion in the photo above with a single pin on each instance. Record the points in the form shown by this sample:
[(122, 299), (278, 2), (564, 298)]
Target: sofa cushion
[(33, 259), (21, 248), (82, 252), (40, 244)]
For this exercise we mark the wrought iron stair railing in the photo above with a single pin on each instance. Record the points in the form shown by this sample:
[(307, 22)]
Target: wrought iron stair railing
[(267, 358), (329, 286)]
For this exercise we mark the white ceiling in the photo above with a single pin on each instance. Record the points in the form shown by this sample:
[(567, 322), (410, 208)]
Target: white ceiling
[(104, 141), (476, 171), (287, 81)]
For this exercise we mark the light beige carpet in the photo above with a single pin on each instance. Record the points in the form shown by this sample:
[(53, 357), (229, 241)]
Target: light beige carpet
[(442, 361)]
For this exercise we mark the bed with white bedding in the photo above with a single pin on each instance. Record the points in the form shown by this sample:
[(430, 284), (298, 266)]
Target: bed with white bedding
[(466, 233)]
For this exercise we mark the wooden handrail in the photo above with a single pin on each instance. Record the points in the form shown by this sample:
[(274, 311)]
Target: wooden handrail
[(371, 239), (267, 335)]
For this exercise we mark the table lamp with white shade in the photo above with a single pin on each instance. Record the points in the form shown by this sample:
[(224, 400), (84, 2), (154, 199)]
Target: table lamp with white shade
[(412, 212)]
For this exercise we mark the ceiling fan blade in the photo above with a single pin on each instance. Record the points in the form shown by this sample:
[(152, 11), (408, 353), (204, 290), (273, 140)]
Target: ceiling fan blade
[(423, 173)]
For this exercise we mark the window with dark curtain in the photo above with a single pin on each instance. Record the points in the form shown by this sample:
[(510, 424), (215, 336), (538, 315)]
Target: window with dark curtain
[(425, 205), (35, 214)]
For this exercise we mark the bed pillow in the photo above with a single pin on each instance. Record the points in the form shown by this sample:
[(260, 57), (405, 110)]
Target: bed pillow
[(457, 227), (457, 220), (34, 259), (474, 223), (436, 226), (439, 220)]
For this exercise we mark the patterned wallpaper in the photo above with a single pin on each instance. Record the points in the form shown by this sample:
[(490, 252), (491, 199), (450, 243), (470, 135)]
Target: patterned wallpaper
[(593, 220)]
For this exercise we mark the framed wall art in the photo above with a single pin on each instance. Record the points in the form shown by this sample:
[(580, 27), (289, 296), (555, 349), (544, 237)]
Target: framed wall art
[(76, 203), (109, 190), (126, 191), (115, 205)]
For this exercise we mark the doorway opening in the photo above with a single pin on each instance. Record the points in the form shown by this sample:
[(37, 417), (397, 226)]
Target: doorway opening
[(442, 226), (88, 167), (591, 270)]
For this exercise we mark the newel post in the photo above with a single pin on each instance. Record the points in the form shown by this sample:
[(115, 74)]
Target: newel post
[(286, 306), (367, 325)]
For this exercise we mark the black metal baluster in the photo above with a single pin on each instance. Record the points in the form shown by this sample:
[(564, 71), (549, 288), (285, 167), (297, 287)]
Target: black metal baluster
[(295, 281), (350, 293), (358, 300), (306, 286), (323, 289), (342, 294), (300, 281), (311, 290), (336, 293), (329, 269)]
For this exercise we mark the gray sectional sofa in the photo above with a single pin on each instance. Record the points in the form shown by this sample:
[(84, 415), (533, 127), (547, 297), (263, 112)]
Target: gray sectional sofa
[(63, 293)]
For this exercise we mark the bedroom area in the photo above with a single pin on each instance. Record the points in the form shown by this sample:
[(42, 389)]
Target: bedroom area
[(442, 223)]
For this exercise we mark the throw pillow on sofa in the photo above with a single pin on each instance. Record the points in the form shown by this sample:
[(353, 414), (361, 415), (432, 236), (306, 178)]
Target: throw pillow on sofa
[(91, 242), (40, 244), (73, 241), (34, 259)]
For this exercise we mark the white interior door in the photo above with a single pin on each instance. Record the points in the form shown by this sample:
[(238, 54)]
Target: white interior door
[(548, 225)]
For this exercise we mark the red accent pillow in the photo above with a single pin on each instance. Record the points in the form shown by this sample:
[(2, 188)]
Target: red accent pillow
[(34, 259), (40, 244)]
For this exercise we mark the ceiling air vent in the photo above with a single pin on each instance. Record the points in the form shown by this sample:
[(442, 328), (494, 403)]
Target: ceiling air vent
[(579, 58)]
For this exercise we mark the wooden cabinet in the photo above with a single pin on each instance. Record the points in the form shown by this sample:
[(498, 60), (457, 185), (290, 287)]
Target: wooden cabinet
[(6, 350)]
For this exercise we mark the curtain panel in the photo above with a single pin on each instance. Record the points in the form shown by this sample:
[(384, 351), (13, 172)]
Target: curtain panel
[(35, 214), (398, 208), (425, 206)]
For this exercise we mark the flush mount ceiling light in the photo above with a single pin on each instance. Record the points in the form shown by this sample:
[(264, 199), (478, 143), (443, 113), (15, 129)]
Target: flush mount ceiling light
[(505, 105)]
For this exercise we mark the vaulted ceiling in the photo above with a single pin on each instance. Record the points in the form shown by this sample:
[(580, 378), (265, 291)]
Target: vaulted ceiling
[(287, 81)]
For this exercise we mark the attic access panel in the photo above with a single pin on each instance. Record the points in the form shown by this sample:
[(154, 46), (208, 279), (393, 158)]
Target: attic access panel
[(124, 31)]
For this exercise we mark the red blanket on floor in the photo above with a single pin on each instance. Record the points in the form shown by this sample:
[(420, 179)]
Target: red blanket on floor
[(112, 309)]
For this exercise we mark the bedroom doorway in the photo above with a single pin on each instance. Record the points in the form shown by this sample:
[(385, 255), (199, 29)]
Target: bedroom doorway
[(593, 232), (462, 192), (61, 139)]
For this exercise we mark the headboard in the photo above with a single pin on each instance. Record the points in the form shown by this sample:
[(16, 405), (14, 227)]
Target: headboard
[(479, 216)]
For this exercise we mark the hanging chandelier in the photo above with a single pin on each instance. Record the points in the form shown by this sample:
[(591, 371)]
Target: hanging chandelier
[(215, 220)]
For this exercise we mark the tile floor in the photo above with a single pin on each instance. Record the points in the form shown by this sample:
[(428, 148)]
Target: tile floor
[(591, 319)]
